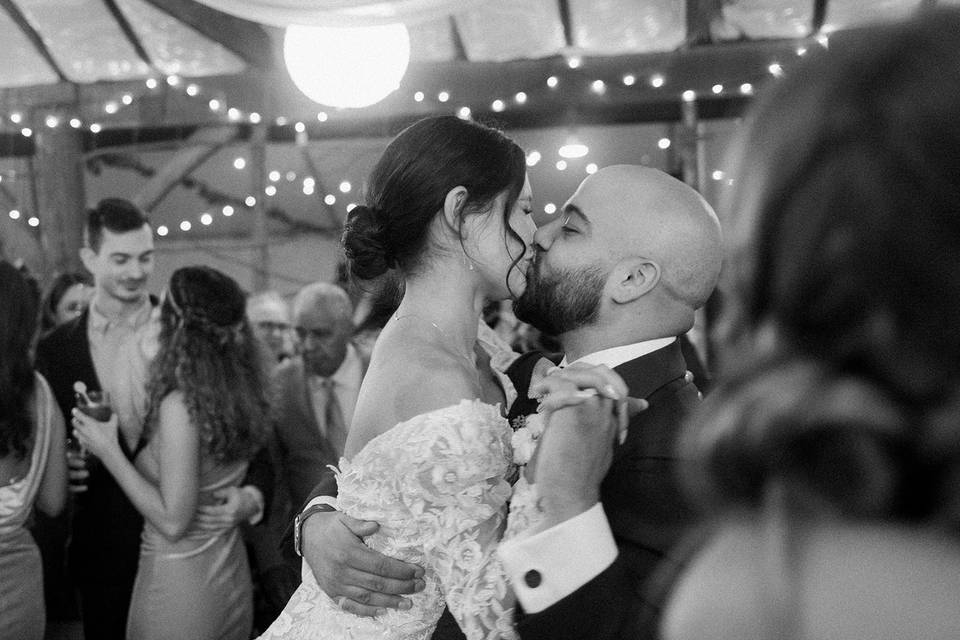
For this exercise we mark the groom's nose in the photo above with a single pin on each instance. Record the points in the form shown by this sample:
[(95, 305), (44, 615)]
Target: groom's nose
[(543, 237)]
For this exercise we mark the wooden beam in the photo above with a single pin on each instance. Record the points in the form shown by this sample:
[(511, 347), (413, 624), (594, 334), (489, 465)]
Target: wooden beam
[(700, 16), (203, 144), (247, 39), (21, 21), (132, 36)]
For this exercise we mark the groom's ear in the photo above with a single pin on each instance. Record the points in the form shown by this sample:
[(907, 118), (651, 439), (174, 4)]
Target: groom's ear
[(632, 278), (453, 207)]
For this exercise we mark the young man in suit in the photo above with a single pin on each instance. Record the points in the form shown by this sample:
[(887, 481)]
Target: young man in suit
[(617, 276), (109, 348)]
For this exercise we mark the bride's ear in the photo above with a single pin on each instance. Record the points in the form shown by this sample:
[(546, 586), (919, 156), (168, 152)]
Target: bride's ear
[(453, 206)]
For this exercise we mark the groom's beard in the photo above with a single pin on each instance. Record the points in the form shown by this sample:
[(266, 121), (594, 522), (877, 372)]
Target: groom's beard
[(561, 301)]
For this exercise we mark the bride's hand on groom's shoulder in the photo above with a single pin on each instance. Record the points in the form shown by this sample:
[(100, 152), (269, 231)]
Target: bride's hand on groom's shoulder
[(359, 579)]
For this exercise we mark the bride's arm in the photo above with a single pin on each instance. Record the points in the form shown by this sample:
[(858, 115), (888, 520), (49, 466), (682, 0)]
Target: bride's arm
[(460, 509), (170, 506)]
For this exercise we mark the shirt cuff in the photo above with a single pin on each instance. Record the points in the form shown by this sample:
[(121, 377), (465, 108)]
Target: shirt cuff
[(330, 501), (550, 565), (257, 498)]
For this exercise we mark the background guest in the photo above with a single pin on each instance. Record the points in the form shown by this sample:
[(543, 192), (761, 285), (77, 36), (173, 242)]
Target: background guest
[(269, 315), (829, 453), (33, 468), (208, 415), (68, 296)]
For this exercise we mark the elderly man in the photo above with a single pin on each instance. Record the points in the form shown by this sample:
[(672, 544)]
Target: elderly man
[(617, 276)]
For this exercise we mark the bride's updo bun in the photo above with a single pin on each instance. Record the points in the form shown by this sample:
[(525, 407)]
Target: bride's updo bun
[(365, 243), (410, 182)]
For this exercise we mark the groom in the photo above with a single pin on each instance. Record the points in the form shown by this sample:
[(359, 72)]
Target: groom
[(617, 276)]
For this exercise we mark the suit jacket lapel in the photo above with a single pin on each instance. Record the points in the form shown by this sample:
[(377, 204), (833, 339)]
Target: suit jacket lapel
[(646, 374)]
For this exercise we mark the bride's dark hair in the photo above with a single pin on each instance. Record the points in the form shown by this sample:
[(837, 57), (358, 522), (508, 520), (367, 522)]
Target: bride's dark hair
[(209, 353), (841, 375), (409, 183)]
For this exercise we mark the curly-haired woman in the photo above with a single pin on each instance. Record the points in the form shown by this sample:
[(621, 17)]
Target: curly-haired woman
[(208, 415)]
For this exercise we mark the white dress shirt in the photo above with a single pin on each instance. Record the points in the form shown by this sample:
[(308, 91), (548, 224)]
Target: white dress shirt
[(346, 384), (570, 554)]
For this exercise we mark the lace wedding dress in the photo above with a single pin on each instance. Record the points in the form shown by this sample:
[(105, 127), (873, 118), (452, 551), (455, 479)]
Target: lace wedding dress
[(438, 486)]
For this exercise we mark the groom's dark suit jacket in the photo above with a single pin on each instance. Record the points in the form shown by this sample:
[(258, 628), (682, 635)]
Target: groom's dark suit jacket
[(643, 503)]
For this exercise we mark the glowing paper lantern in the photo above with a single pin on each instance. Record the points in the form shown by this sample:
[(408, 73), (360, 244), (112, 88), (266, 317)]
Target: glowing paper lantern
[(347, 67)]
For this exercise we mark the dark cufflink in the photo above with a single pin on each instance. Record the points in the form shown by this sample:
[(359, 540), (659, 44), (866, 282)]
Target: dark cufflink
[(532, 578)]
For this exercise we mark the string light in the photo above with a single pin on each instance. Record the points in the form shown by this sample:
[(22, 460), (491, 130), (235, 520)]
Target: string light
[(717, 89), (520, 97), (550, 208), (14, 214), (250, 201), (270, 190), (254, 118), (152, 83), (717, 175), (173, 80), (291, 176), (561, 165), (75, 123), (33, 221), (418, 96), (206, 219), (95, 128), (16, 117), (823, 40), (498, 105), (127, 99), (801, 51), (775, 69), (26, 132), (299, 127), (329, 199), (351, 207), (281, 121), (574, 62), (464, 113), (234, 114), (591, 168), (663, 143), (111, 107), (192, 90), (214, 105), (629, 80), (746, 89), (443, 96), (657, 81), (227, 210), (599, 87), (239, 163), (274, 176), (185, 225), (689, 95), (322, 116), (162, 230), (52, 121), (345, 187), (552, 82), (533, 158)]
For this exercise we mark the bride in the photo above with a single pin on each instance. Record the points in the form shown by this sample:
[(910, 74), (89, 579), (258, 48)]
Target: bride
[(429, 452)]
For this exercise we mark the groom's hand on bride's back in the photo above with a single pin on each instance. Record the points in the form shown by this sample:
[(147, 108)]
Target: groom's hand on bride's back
[(359, 579)]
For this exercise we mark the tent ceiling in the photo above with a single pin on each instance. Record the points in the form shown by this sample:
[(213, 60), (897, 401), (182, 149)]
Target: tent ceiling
[(90, 41)]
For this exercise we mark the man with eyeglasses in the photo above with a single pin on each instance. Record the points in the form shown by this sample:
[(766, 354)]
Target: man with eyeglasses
[(269, 315)]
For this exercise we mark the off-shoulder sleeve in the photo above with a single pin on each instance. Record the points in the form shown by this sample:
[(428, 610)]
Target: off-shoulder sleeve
[(457, 493)]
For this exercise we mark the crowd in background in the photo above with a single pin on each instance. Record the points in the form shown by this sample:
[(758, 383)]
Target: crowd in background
[(824, 464)]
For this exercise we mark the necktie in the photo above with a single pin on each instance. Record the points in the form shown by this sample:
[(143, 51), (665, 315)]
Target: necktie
[(333, 416)]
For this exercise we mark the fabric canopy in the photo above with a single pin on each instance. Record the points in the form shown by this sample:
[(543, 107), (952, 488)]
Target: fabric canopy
[(340, 13)]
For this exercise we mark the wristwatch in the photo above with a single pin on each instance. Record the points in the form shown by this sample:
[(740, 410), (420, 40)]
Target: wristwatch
[(300, 519)]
